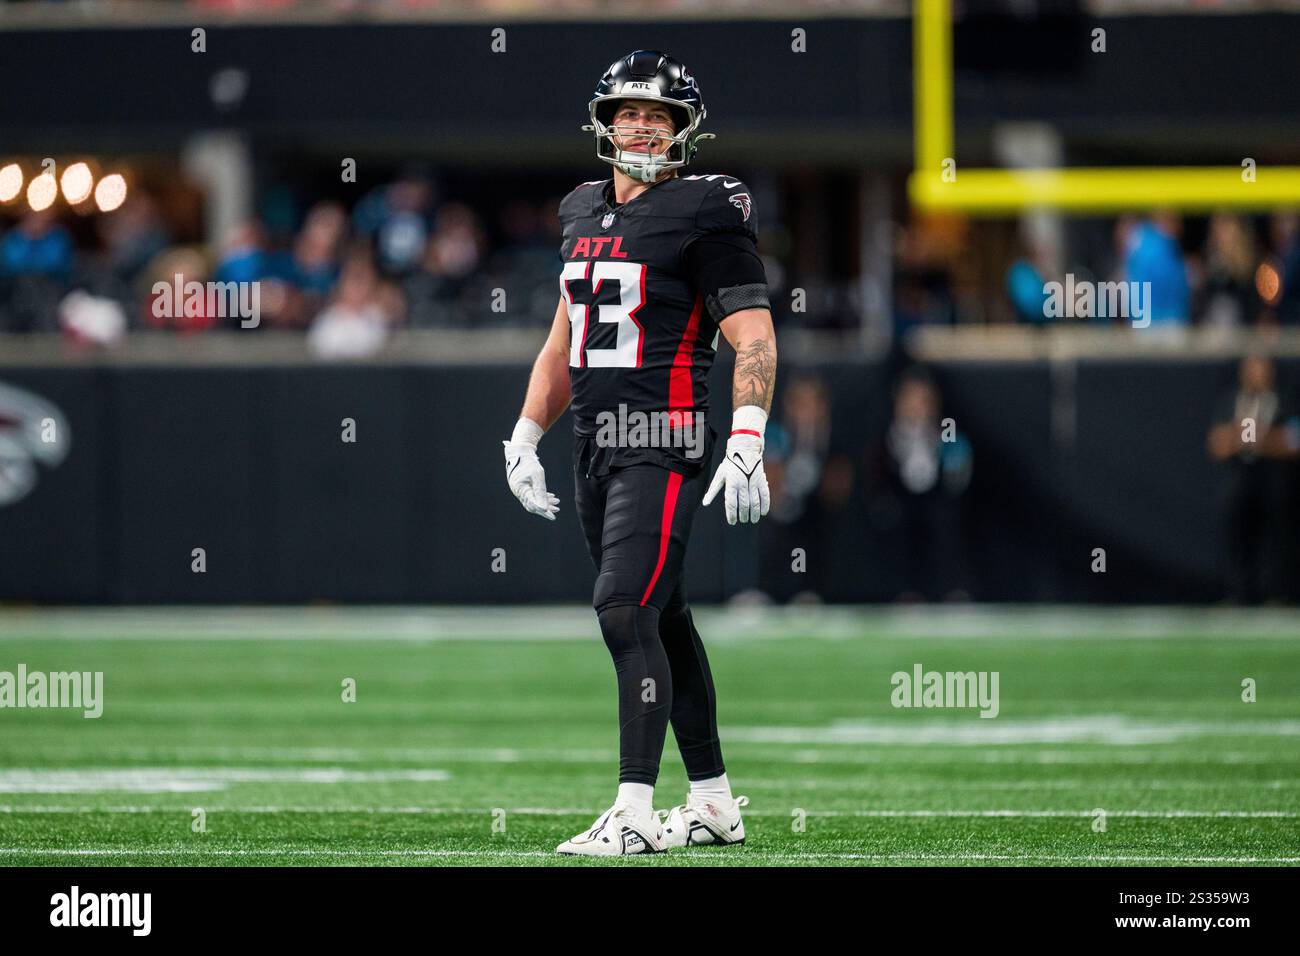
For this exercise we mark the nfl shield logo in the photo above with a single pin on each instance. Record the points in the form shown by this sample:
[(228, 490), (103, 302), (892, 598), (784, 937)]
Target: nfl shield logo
[(607, 221)]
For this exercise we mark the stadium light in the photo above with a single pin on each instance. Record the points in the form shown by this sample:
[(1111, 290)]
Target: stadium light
[(41, 192), (11, 182), (76, 183), (110, 192), (938, 183)]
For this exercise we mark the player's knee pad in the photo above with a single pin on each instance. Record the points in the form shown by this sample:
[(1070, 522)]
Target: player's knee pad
[(613, 589), (642, 660), (630, 630)]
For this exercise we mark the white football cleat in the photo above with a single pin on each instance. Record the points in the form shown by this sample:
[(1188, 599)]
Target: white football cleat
[(701, 822), (619, 831)]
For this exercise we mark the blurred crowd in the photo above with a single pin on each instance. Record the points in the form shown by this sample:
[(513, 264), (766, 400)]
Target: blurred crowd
[(401, 256), (408, 254), (1224, 270)]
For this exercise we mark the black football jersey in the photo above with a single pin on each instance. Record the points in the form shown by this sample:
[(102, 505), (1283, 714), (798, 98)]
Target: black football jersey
[(640, 335)]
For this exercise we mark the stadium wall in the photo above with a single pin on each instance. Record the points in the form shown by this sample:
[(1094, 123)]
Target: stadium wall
[(352, 87), (249, 464)]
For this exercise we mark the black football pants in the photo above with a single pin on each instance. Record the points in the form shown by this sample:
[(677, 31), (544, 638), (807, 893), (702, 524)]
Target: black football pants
[(637, 521)]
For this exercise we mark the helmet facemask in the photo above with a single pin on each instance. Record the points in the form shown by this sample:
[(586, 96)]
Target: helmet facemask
[(638, 164)]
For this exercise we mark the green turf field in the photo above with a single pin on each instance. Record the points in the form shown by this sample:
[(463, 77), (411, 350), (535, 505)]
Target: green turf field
[(468, 746)]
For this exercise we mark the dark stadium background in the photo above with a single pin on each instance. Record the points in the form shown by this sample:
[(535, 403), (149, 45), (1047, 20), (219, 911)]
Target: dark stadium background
[(381, 660), (208, 435)]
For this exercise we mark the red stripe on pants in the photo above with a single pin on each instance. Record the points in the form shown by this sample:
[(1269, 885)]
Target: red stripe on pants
[(665, 529)]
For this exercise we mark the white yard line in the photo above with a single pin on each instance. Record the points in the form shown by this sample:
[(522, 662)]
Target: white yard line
[(1091, 785), (345, 754), (569, 622), (1181, 754), (594, 811), (975, 731), (1172, 755), (792, 856), (194, 779)]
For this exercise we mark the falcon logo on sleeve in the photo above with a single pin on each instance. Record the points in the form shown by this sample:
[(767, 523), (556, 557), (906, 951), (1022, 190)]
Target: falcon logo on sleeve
[(742, 202)]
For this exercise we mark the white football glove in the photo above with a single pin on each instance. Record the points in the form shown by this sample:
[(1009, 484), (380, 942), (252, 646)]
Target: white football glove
[(524, 472), (741, 471)]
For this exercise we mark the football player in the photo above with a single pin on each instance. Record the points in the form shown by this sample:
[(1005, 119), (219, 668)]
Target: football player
[(657, 265)]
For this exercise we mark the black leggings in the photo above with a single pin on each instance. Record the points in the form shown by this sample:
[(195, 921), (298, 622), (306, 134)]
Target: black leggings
[(637, 521)]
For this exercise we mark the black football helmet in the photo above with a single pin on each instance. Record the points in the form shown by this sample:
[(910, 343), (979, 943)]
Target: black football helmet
[(648, 75)]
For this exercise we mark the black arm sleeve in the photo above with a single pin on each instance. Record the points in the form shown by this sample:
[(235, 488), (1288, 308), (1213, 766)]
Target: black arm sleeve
[(725, 269)]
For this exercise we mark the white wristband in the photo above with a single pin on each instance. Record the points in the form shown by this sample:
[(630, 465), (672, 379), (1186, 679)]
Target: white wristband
[(748, 420), (527, 430)]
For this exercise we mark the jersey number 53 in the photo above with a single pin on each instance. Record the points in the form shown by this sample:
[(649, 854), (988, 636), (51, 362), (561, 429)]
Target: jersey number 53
[(589, 276)]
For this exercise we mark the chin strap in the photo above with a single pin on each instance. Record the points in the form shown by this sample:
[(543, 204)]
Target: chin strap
[(646, 172)]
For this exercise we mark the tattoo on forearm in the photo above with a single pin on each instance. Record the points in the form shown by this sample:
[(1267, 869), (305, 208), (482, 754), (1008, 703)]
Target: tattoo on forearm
[(755, 375)]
